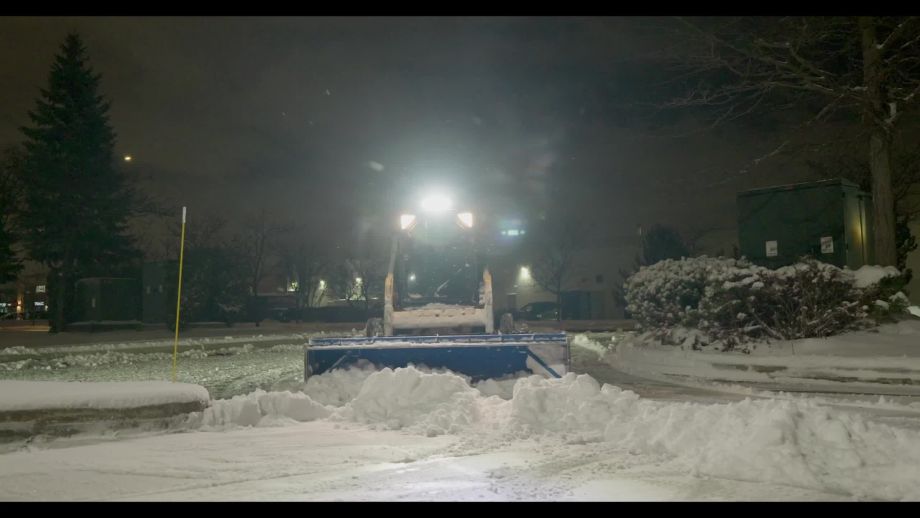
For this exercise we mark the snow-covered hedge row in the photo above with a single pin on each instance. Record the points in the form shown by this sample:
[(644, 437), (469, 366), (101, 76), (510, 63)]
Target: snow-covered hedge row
[(731, 301)]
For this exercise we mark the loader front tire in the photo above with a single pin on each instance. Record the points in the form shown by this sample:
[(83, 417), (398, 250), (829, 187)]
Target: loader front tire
[(374, 327), (506, 325)]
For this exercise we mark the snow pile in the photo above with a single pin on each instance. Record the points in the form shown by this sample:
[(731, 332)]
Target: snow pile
[(586, 343), (40, 395), (433, 315), (780, 442), (867, 275), (783, 442), (502, 388), (422, 401), (433, 404), (437, 305), (260, 408), (573, 404), (318, 398), (338, 387)]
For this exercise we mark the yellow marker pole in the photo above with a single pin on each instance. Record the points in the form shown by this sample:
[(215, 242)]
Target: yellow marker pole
[(179, 296)]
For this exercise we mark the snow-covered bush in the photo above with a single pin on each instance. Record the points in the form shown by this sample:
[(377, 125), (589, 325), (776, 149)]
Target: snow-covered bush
[(667, 294), (805, 300), (882, 291), (731, 302)]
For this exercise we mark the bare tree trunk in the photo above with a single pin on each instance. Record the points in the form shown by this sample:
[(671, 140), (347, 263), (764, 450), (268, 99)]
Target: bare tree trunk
[(879, 146), (256, 279), (886, 253), (62, 275), (559, 303), (57, 320), (311, 292), (258, 260)]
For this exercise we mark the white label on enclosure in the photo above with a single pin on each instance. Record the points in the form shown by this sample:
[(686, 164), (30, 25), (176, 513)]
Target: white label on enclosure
[(827, 245), (772, 249)]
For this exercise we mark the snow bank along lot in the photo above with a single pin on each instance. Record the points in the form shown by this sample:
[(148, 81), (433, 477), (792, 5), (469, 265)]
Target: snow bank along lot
[(408, 434), (885, 360), (30, 409), (43, 395)]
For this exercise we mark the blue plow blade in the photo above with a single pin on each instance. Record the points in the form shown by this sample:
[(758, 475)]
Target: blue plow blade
[(477, 356)]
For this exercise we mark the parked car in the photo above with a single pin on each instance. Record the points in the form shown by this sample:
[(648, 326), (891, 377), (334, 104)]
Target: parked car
[(544, 310)]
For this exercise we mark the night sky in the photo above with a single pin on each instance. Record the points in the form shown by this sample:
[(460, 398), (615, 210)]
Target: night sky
[(227, 115)]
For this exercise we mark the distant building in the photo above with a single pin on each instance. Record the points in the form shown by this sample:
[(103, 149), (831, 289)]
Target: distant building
[(27, 296), (588, 293)]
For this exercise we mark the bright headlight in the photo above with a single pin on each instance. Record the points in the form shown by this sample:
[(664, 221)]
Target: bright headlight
[(466, 219), (436, 203), (406, 221)]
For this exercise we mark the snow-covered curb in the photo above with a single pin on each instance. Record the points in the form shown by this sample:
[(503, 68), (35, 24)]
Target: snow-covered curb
[(57, 395), (30, 409)]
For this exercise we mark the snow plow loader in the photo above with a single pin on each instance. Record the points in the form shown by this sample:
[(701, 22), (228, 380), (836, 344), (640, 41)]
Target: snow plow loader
[(438, 310)]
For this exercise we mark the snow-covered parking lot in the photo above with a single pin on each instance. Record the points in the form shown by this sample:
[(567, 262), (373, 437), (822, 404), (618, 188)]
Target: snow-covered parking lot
[(409, 434)]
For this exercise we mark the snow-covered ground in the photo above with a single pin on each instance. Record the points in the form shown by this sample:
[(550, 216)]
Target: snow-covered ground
[(408, 434), (325, 461), (15, 352), (224, 369), (885, 360)]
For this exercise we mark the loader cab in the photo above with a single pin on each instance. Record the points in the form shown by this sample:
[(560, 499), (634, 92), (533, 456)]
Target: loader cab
[(436, 259)]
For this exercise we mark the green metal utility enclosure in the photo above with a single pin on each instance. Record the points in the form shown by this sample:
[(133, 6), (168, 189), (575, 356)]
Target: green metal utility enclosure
[(106, 298), (829, 220), (155, 286)]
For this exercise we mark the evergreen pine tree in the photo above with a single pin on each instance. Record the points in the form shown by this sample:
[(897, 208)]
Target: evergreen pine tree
[(10, 264), (76, 202)]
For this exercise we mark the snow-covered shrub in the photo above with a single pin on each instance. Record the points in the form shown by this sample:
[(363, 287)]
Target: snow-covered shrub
[(884, 298), (808, 299), (667, 294), (730, 302)]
